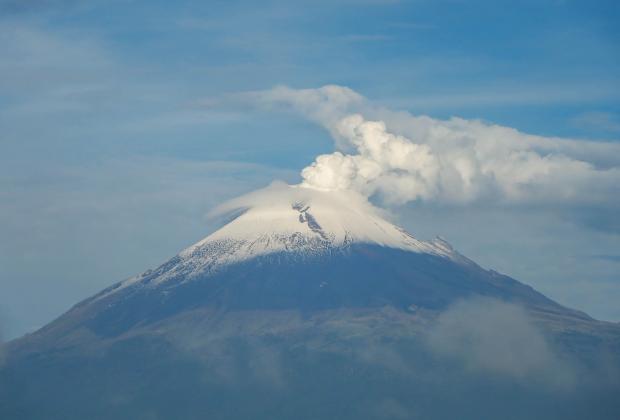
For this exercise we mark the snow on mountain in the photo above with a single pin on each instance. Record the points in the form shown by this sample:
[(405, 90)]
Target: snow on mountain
[(292, 219)]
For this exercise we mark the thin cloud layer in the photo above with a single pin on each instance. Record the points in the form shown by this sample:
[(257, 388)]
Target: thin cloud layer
[(490, 336), (400, 157)]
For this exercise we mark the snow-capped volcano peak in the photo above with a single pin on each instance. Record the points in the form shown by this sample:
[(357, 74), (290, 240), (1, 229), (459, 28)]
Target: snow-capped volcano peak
[(296, 220), (299, 219)]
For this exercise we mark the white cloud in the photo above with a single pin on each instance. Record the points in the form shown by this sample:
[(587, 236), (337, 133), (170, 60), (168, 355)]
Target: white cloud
[(325, 105), (401, 157), (490, 336), (37, 62)]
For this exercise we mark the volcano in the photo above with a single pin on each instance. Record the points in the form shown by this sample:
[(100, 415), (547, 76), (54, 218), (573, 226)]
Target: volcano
[(311, 305)]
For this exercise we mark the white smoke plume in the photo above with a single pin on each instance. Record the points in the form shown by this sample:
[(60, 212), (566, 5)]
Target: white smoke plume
[(400, 157)]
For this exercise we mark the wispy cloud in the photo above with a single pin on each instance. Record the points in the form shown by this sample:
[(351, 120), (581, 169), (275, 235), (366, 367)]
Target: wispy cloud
[(490, 336), (506, 95), (20, 6), (599, 121), (606, 257), (366, 37), (98, 222)]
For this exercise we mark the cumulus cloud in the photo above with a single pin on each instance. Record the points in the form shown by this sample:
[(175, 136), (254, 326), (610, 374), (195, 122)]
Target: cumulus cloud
[(386, 163), (490, 336), (400, 157)]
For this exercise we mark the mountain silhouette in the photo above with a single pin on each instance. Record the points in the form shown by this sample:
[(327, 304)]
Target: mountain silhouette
[(311, 305)]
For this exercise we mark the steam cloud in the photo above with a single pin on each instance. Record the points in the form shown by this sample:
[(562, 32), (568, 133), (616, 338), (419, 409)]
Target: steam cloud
[(400, 157)]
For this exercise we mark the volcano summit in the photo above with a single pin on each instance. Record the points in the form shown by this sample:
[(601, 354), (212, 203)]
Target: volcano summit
[(310, 305)]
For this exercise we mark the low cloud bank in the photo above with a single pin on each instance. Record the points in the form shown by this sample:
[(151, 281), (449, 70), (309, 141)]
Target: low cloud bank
[(488, 336)]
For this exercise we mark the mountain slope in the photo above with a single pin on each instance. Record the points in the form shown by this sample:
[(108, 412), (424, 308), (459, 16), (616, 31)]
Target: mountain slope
[(301, 222), (311, 305)]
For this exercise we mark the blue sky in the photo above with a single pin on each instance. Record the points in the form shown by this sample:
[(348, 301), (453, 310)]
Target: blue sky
[(114, 146)]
